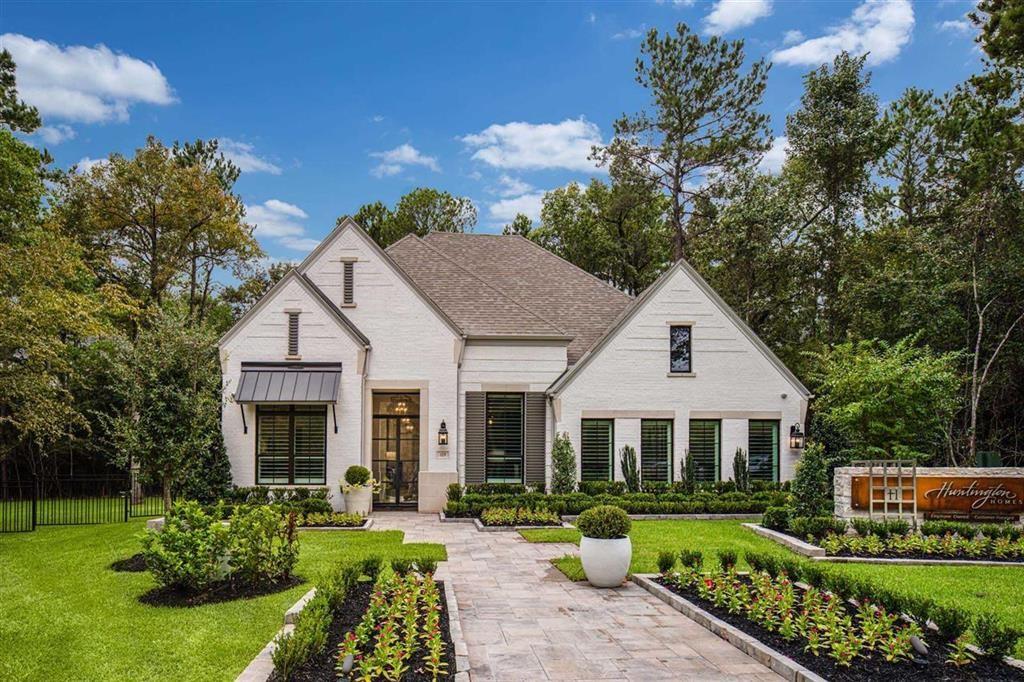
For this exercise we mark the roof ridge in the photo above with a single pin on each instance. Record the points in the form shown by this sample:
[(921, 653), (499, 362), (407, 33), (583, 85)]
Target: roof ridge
[(399, 241), (570, 263), (490, 285), (331, 306)]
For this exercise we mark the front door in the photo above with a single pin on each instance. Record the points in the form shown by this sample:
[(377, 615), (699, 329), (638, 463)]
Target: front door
[(396, 446)]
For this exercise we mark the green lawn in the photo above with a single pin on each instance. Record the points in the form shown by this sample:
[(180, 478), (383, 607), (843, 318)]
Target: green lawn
[(65, 615), (995, 589)]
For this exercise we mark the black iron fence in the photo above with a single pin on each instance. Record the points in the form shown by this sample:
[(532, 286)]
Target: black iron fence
[(71, 501)]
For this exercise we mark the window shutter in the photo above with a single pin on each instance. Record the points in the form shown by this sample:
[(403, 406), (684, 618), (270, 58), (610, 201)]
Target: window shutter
[(763, 450), (293, 333), (704, 447), (504, 436), (597, 444), (535, 431), (347, 295), (475, 423), (656, 450)]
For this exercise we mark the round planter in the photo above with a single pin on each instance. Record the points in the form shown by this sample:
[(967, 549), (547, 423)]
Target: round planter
[(359, 501), (606, 562)]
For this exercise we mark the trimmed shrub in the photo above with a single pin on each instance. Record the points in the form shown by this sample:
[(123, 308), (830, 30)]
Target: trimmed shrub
[(370, 566), (508, 516), (401, 566), (740, 471), (426, 565), (776, 518), (595, 488), (995, 638), (188, 551), (357, 475), (666, 561), (816, 527), (455, 492), (655, 487), (563, 464), (950, 620), (691, 558), (496, 489), (604, 522), (307, 639), (811, 488), (727, 559), (630, 471), (791, 567), (883, 529)]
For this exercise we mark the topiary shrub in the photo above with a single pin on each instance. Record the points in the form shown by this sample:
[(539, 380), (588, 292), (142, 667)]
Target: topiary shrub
[(811, 485), (630, 472), (604, 522), (776, 518), (370, 566), (666, 561), (357, 475), (563, 463), (727, 559), (691, 558)]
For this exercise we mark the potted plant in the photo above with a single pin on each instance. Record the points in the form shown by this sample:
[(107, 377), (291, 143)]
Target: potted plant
[(605, 548), (358, 490)]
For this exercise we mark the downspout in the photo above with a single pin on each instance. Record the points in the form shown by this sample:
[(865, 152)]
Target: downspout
[(552, 433), (362, 408), (460, 450)]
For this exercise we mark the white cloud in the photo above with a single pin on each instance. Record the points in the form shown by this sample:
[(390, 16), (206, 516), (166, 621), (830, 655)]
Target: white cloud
[(86, 164), (792, 37), (79, 83), (728, 15), (773, 159), (280, 221), (394, 160), (377, 118), (527, 204), (509, 186), (243, 155), (56, 134), (676, 3), (880, 27), (630, 33), (961, 26), (591, 18), (530, 146)]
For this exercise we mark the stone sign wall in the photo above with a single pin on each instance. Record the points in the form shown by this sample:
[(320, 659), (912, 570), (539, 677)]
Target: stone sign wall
[(982, 494)]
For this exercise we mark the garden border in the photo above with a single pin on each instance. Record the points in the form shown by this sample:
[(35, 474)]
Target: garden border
[(681, 517), (816, 553), (481, 528), (158, 523), (262, 666), (760, 652)]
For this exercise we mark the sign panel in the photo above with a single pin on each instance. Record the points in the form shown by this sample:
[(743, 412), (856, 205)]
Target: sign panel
[(946, 495)]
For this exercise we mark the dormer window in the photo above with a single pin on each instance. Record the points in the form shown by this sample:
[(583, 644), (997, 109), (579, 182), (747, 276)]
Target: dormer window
[(293, 334), (681, 359), (348, 283)]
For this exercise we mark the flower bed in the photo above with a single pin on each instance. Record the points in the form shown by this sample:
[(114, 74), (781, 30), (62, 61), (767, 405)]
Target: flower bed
[(823, 627), (391, 627), (517, 516)]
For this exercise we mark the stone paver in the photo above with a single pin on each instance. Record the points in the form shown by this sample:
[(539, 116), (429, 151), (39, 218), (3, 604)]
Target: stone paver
[(523, 620)]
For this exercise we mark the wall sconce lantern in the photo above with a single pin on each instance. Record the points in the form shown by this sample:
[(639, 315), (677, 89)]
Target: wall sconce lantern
[(796, 437), (442, 434)]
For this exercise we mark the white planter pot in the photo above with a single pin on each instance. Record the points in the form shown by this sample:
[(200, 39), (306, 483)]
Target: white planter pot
[(359, 501), (606, 562)]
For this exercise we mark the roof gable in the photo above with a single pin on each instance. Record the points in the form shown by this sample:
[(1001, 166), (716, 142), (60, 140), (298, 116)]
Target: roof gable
[(642, 300), (314, 292), (348, 224)]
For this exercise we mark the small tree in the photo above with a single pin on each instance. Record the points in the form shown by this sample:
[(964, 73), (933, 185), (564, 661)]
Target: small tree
[(630, 472), (741, 471), (810, 486), (563, 461), (689, 472)]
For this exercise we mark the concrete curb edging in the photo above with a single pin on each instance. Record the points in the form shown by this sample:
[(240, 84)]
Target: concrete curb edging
[(818, 554), (783, 665), (262, 666), (788, 541), (445, 519)]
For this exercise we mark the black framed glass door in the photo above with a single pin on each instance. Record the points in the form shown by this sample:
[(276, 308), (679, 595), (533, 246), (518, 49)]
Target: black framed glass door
[(396, 446)]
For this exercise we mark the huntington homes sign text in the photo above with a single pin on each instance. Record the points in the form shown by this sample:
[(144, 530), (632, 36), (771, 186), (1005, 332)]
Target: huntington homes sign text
[(958, 495)]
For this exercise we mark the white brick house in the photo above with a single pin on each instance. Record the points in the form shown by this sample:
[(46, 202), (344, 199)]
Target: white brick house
[(360, 355)]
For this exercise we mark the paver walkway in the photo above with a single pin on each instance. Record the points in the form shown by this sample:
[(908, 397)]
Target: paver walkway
[(523, 620)]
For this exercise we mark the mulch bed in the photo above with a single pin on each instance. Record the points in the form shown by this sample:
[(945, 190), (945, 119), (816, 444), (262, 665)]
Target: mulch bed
[(136, 563), (221, 592), (321, 668), (864, 669)]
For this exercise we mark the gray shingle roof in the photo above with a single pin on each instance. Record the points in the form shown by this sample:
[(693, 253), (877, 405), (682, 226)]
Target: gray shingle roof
[(493, 285)]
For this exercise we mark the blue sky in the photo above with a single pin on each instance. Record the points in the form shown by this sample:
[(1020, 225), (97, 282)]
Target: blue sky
[(327, 106)]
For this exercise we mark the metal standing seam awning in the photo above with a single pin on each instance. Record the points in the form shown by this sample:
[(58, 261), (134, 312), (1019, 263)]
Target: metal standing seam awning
[(289, 383)]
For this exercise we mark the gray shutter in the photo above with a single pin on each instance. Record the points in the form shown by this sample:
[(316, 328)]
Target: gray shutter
[(535, 430), (475, 432), (347, 295), (293, 333)]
